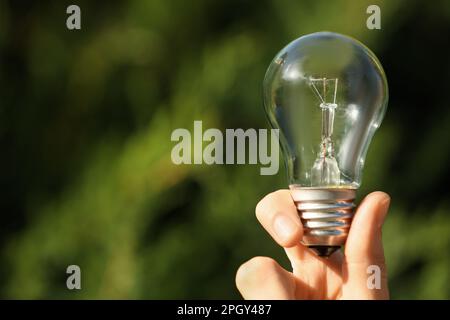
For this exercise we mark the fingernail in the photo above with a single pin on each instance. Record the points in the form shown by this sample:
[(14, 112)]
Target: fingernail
[(384, 204), (284, 227)]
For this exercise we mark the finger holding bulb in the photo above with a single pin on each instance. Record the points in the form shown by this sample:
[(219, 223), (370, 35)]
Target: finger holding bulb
[(312, 277), (278, 215)]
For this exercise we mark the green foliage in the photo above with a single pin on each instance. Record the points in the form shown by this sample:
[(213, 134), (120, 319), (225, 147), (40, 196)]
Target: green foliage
[(86, 118)]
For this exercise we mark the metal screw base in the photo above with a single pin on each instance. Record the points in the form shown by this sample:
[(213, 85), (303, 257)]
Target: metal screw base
[(326, 214)]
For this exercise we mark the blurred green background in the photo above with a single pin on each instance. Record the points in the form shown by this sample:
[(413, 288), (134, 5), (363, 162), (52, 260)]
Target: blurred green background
[(85, 124)]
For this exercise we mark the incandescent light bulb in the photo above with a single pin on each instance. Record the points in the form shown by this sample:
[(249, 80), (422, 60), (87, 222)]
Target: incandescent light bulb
[(327, 93)]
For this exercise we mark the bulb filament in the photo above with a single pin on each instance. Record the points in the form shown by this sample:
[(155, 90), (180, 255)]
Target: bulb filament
[(325, 171)]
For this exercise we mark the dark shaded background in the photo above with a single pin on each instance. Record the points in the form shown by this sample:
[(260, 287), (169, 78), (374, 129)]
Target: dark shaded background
[(85, 124)]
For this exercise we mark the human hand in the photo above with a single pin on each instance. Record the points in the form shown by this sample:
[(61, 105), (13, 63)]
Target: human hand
[(341, 276)]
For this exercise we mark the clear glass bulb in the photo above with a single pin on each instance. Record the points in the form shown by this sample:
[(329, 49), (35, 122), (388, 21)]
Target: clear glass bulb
[(327, 93)]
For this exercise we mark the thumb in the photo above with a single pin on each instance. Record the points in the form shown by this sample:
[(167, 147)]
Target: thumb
[(263, 278), (364, 269)]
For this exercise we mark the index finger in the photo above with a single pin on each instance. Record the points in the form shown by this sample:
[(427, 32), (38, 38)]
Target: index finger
[(277, 213)]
